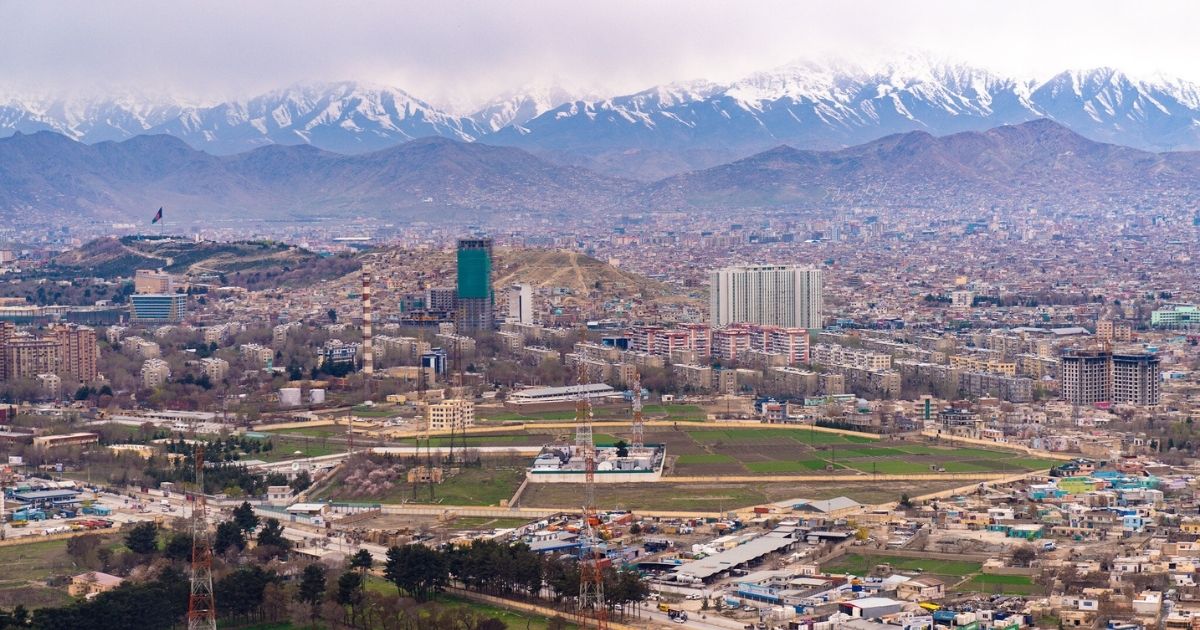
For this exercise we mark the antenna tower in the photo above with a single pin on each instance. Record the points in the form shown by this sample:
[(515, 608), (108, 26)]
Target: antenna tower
[(639, 423), (456, 359), (591, 575), (428, 436), (367, 320), (202, 607)]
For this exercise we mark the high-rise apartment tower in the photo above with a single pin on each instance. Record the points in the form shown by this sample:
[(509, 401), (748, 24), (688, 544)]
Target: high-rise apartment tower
[(475, 299), (776, 295)]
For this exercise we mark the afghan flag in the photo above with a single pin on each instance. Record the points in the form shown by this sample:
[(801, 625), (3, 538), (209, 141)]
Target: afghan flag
[(157, 217)]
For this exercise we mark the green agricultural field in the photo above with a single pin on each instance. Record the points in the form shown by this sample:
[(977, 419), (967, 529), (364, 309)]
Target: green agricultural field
[(733, 436), (504, 415), (862, 565), (286, 447), (510, 618), (647, 496), (821, 437), (1033, 463), (479, 486), (315, 432), (1005, 584), (680, 413), (363, 411), (704, 458), (765, 449), (965, 452), (786, 467), (481, 522), (870, 451), (487, 485), (889, 467), (28, 566)]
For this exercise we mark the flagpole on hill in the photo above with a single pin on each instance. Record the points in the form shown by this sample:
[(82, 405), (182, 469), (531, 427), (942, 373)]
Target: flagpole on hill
[(158, 218)]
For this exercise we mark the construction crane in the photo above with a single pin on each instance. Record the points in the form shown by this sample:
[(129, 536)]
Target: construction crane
[(591, 574), (202, 607), (639, 423)]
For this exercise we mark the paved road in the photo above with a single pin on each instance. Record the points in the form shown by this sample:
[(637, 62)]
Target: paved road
[(713, 622)]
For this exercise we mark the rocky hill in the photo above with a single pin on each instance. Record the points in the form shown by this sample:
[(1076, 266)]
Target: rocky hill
[(255, 264)]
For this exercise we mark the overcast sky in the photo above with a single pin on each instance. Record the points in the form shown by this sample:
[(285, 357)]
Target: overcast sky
[(464, 52)]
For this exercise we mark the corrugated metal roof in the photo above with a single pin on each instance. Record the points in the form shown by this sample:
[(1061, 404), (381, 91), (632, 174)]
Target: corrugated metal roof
[(707, 567)]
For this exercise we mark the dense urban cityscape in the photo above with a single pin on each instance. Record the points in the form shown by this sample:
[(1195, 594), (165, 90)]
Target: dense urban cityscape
[(845, 345)]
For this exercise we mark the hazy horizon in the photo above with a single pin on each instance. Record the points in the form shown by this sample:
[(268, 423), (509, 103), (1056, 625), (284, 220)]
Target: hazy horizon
[(458, 56)]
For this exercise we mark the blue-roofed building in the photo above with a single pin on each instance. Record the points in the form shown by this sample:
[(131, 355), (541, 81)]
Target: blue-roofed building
[(47, 498)]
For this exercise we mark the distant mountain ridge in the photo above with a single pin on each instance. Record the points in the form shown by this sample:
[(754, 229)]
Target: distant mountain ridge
[(1029, 163), (1013, 164), (664, 130), (429, 176)]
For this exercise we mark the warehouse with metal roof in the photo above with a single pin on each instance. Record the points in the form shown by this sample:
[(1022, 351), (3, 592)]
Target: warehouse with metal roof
[(705, 569)]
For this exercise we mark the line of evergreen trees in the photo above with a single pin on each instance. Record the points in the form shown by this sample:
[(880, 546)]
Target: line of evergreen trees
[(504, 570)]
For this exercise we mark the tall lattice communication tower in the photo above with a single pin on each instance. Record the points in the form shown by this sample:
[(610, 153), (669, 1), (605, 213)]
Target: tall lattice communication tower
[(367, 319), (639, 423), (591, 573), (202, 607)]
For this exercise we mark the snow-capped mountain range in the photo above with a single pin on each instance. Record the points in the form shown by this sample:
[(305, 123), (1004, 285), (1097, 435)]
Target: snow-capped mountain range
[(663, 130)]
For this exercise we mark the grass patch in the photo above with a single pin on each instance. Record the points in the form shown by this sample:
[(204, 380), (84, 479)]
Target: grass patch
[(510, 618), (648, 496), (736, 436), (862, 565), (870, 451), (799, 466), (316, 432), (471, 486), (1033, 463), (1005, 584), (512, 416), (704, 458), (28, 566), (479, 486), (487, 522), (286, 447), (974, 453), (975, 466), (890, 467), (820, 437)]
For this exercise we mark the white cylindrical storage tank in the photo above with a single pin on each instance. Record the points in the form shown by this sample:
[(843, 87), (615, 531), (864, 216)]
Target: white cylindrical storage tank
[(289, 396)]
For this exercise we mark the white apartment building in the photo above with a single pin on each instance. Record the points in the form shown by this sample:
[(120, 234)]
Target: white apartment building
[(215, 368), (450, 414), (835, 355), (520, 304), (155, 373), (775, 295)]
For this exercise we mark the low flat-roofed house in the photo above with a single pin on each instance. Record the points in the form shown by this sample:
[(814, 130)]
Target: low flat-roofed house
[(66, 439), (315, 512), (870, 607), (921, 589), (279, 495), (92, 583), (836, 506), (47, 498)]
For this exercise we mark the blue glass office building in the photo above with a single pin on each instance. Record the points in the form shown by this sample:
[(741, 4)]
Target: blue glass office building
[(166, 308)]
